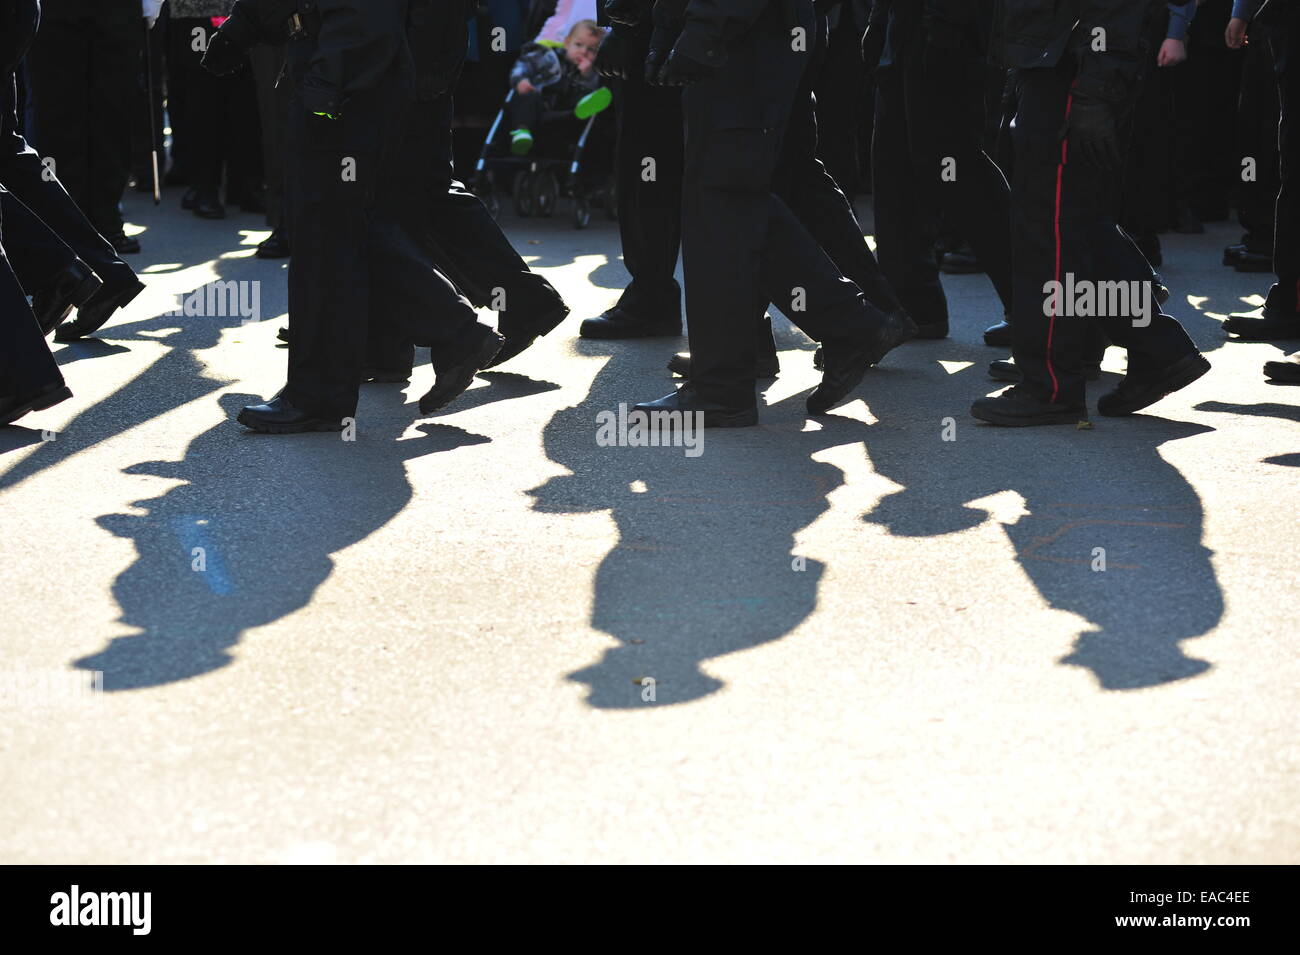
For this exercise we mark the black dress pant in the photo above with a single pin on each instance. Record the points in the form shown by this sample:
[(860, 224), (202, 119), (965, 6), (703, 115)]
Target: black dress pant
[(26, 365), (1256, 141), (37, 255), (926, 117), (743, 246), (454, 233), (1063, 225), (649, 120), (24, 174), (1286, 235), (348, 182), (273, 111), (82, 71)]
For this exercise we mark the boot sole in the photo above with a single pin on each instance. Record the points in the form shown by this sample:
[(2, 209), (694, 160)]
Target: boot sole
[(1175, 382), (1019, 421), (39, 403), (464, 375), (262, 427), (646, 333)]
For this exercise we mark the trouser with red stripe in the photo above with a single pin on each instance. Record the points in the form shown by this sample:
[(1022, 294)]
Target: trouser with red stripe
[(1063, 226)]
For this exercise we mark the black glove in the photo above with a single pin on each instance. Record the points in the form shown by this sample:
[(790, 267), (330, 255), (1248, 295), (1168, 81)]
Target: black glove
[(611, 58), (1093, 132), (682, 70), (229, 45), (661, 44), (224, 57), (626, 13)]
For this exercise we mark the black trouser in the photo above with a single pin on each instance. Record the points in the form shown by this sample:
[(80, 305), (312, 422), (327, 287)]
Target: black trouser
[(32, 183), (742, 244), (36, 254), (1256, 141), (221, 127), (814, 196), (649, 199), (1063, 224), (459, 237), (82, 69), (1286, 218), (273, 110), (922, 121), (348, 180), (1205, 102), (26, 365)]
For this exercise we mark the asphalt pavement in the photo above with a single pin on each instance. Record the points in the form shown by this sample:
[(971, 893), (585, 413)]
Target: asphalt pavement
[(891, 634)]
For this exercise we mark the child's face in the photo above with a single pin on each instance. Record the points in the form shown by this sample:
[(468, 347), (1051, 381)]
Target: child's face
[(581, 50)]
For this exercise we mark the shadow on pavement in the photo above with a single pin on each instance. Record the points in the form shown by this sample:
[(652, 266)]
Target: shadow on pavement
[(243, 545), (1091, 499)]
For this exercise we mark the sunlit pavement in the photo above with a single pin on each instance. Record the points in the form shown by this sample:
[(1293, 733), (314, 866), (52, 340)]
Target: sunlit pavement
[(484, 637)]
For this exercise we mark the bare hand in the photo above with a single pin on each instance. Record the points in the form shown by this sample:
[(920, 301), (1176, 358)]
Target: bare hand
[(1172, 52), (524, 88), (1235, 35)]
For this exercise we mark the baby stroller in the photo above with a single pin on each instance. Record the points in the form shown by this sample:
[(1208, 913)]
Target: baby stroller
[(580, 171)]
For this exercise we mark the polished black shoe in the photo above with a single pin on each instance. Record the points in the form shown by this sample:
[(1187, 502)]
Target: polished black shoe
[(1231, 252), (1285, 369), (617, 323), (1253, 262), (481, 345), (73, 287), (686, 400), (765, 367), (999, 335), (931, 330), (1006, 370), (123, 244), (92, 316), (1018, 408), (847, 361), (1135, 393), (1267, 326), (279, 416), (14, 407), (517, 340), (190, 198), (274, 246), (208, 206), (960, 261)]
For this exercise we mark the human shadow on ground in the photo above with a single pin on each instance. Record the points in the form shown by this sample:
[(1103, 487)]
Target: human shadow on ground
[(1093, 498), (248, 535), (705, 563)]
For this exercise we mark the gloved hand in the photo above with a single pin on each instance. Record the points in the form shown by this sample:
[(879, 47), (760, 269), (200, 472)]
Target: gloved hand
[(224, 57), (661, 44), (228, 46), (149, 10), (611, 58), (682, 70), (626, 13), (1092, 129)]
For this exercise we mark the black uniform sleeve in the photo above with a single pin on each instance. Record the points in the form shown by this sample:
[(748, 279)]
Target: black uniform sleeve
[(253, 22), (1109, 38), (357, 44), (711, 23)]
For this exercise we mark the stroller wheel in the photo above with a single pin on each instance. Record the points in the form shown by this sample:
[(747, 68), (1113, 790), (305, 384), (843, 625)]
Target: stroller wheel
[(581, 213), (524, 205), (546, 193)]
